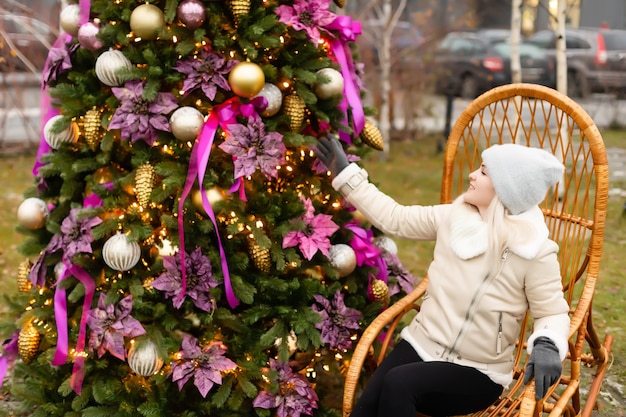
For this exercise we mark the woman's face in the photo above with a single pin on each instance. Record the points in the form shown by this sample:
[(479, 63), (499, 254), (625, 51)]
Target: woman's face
[(480, 191)]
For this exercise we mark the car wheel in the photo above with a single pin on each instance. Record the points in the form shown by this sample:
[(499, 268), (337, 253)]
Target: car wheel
[(469, 87), (577, 86)]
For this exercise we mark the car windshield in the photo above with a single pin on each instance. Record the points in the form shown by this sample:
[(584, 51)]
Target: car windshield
[(525, 49)]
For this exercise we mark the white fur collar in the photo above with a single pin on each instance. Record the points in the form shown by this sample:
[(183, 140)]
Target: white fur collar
[(469, 236)]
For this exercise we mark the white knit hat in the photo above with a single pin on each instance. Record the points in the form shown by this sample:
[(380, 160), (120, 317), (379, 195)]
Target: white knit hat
[(521, 175)]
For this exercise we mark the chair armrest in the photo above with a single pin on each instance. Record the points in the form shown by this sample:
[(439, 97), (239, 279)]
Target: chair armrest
[(370, 334)]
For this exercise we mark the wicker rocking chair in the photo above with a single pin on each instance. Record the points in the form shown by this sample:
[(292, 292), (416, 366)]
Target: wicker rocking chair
[(575, 213)]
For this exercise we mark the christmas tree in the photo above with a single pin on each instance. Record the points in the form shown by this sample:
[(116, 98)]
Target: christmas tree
[(185, 253)]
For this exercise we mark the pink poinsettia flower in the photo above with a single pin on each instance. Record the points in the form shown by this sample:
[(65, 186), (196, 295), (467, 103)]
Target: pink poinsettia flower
[(204, 364), (315, 236), (307, 15), (109, 326)]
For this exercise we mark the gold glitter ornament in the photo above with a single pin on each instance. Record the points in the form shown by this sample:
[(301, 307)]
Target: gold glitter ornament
[(23, 270), (91, 128), (371, 136), (28, 343), (260, 256), (239, 8), (144, 183), (294, 106), (380, 290)]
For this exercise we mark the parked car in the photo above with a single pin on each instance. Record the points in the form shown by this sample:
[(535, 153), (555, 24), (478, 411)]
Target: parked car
[(596, 59), (405, 40), (469, 63), (24, 43)]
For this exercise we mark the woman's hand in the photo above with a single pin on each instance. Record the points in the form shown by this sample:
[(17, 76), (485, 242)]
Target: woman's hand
[(545, 363), (331, 153)]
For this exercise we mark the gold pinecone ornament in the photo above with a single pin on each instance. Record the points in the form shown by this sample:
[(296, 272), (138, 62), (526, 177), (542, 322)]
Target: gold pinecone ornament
[(380, 290), (28, 343), (23, 270), (144, 183), (371, 136), (91, 128), (294, 106), (260, 256), (239, 8)]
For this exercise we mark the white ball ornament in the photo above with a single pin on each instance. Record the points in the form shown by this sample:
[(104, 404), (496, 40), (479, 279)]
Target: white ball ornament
[(33, 213), (108, 65), (69, 19), (56, 139), (121, 253), (387, 244), (331, 85), (274, 98), (343, 258), (144, 359), (186, 123)]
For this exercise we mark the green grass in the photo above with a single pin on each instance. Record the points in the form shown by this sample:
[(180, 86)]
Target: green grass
[(411, 174)]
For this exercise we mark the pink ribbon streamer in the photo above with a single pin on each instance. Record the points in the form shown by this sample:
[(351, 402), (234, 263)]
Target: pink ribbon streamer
[(60, 312), (9, 355), (348, 32)]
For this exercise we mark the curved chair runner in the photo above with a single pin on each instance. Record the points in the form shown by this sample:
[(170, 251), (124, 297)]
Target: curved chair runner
[(575, 213)]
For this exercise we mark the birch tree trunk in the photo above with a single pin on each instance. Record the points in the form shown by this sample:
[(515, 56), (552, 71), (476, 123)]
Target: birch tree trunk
[(561, 57), (516, 29)]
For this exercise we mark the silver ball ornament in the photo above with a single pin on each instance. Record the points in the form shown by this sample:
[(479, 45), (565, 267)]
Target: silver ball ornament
[(387, 244), (88, 36), (343, 258), (192, 13), (33, 213), (121, 253), (69, 19), (331, 85), (274, 98), (166, 248), (186, 123), (144, 359), (56, 139), (108, 64)]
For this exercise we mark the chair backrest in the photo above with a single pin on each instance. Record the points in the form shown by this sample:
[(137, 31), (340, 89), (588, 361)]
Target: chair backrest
[(575, 209)]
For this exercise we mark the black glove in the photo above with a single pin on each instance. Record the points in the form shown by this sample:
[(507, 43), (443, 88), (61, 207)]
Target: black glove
[(545, 362), (331, 153)]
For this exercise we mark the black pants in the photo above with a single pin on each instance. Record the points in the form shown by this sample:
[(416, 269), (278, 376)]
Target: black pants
[(404, 384)]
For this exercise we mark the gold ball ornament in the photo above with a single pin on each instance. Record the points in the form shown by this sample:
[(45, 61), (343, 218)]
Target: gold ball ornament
[(371, 136), (23, 271), (33, 213), (91, 128), (343, 258), (55, 138), (145, 178), (186, 123), (260, 256), (144, 358), (274, 98), (146, 20), (294, 106), (380, 291), (28, 342), (108, 67), (239, 8), (246, 79), (214, 195), (69, 19), (121, 253), (330, 83)]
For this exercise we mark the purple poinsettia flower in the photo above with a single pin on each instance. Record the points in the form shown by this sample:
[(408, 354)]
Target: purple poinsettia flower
[(337, 321), (316, 234), (294, 396), (252, 147), (200, 280), (205, 365), (109, 326), (139, 118), (395, 269), (307, 15), (58, 62), (207, 72)]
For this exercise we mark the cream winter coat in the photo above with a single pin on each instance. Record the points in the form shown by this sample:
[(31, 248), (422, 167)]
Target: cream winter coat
[(471, 311)]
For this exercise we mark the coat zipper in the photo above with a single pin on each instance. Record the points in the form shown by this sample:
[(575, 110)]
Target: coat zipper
[(477, 296), (499, 341)]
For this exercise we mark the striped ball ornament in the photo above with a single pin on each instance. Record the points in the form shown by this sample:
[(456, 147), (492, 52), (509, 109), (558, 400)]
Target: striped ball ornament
[(144, 359), (121, 253)]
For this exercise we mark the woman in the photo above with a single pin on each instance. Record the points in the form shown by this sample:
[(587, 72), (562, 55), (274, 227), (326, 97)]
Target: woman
[(492, 262)]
